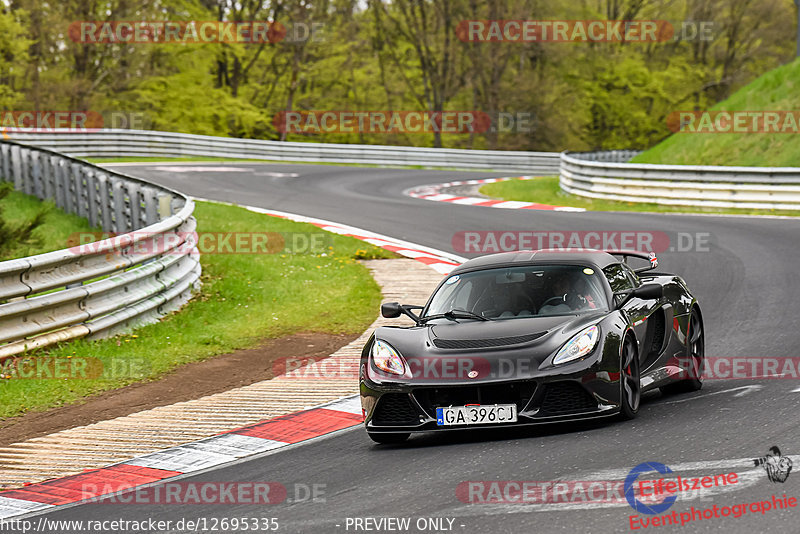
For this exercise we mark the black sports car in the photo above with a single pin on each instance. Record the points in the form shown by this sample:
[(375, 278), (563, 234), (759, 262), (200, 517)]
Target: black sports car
[(532, 337)]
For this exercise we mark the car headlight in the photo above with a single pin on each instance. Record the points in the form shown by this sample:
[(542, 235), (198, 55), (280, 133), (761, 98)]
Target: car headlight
[(580, 345), (387, 359)]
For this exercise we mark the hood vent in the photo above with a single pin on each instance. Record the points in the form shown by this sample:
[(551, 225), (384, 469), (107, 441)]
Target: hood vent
[(485, 343)]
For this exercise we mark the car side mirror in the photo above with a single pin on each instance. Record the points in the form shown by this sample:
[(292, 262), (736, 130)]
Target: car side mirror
[(391, 310), (644, 292), (649, 292)]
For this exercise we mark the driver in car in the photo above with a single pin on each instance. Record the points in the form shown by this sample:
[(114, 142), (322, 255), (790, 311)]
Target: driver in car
[(571, 293)]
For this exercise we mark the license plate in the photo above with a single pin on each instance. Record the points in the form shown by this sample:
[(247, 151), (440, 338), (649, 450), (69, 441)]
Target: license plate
[(476, 415)]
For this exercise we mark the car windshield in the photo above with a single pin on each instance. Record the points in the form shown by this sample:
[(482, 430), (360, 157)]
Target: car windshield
[(528, 291)]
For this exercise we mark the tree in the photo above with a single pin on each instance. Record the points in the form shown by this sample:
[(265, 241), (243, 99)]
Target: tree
[(426, 29), (235, 60), (14, 47), (797, 5)]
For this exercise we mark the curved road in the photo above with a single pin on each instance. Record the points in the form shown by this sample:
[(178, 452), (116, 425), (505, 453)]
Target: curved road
[(748, 287)]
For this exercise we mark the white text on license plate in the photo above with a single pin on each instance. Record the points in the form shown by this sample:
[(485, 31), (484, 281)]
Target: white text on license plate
[(476, 415)]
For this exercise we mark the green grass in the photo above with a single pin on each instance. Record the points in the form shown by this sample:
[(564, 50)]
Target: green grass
[(244, 300), (777, 90), (545, 190), (52, 231), (774, 91)]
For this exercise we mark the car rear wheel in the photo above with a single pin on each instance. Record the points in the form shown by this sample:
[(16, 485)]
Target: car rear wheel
[(387, 438), (695, 350), (629, 377)]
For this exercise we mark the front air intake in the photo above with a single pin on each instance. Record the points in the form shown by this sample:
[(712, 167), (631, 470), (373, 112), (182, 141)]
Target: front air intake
[(485, 343), (395, 409)]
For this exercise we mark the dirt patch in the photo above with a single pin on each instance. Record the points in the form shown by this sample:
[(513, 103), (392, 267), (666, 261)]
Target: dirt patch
[(190, 381)]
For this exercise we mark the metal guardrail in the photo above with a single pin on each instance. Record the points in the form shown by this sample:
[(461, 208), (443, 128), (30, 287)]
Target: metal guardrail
[(131, 143), (594, 174), (147, 270), (606, 175)]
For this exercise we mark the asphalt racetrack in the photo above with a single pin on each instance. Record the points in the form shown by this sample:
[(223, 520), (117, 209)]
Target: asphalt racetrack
[(747, 283)]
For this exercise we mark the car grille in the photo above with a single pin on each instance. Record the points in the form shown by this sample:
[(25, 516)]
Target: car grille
[(395, 409), (566, 397), (518, 393), (484, 343)]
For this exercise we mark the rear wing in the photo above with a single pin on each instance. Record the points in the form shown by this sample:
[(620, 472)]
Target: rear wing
[(625, 254)]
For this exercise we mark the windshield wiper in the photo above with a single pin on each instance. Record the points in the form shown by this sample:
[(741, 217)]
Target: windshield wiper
[(454, 314)]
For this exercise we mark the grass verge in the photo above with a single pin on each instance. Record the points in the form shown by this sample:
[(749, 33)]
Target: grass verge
[(773, 91), (29, 226), (545, 190), (244, 299)]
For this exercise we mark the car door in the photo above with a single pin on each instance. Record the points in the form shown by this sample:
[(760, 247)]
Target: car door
[(622, 278)]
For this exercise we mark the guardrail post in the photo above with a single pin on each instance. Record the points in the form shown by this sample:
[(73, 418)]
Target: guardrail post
[(5, 152), (72, 186), (164, 205), (36, 174), (61, 183), (135, 204), (16, 165), (93, 203), (79, 186), (26, 174), (177, 204), (103, 204), (117, 204), (48, 177), (150, 205)]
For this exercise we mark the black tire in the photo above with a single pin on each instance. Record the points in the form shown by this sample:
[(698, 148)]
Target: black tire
[(386, 438), (696, 354), (630, 385)]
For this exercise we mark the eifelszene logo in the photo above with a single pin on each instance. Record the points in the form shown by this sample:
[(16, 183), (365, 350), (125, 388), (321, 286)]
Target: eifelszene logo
[(644, 506)]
